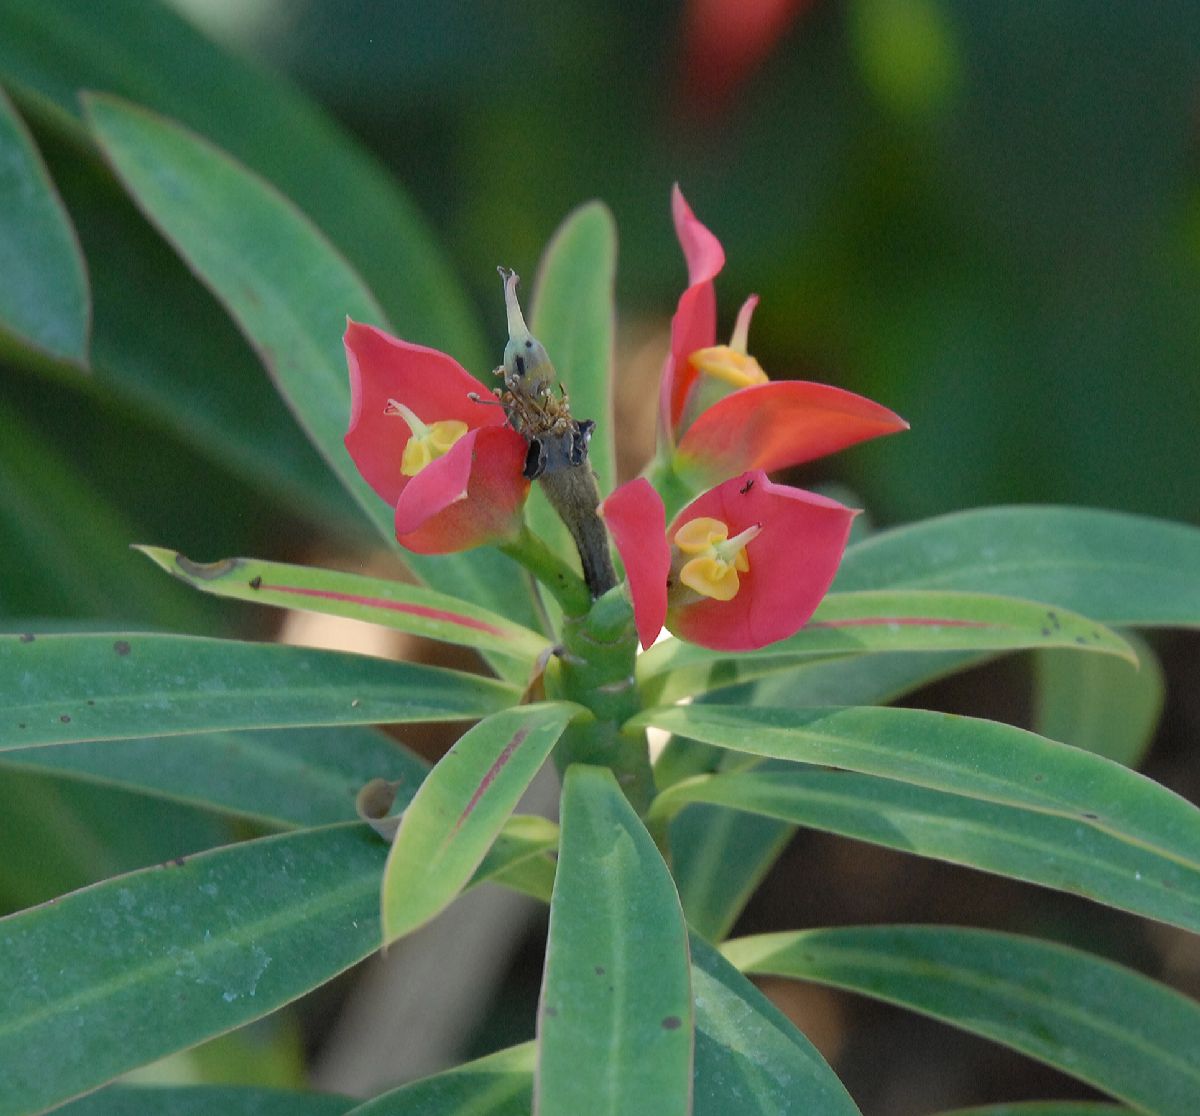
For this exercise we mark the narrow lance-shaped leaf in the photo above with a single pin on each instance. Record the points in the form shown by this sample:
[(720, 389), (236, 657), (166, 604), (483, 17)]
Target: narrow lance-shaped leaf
[(460, 809), (1026, 844), (574, 316), (522, 857), (44, 299), (203, 1100), (720, 855), (1043, 1108), (150, 53), (1109, 1026), (615, 1031), (499, 1085), (750, 1059), (289, 292), (286, 778), (64, 545), (1105, 706), (60, 689), (1121, 569), (893, 620), (394, 604), (184, 368), (116, 975), (980, 759)]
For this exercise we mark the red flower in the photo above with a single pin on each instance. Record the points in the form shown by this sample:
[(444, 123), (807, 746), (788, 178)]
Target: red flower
[(448, 464), (716, 406), (742, 566)]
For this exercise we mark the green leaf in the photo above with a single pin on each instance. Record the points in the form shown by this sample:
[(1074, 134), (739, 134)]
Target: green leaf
[(499, 1085), (1042, 1108), (146, 52), (1046, 849), (521, 857), (747, 1053), (73, 545), (1121, 569), (985, 761), (574, 316), (615, 1020), (460, 808), (60, 689), (282, 282), (1103, 705), (44, 299), (290, 778), (750, 1059), (1109, 1026), (719, 855), (289, 292), (116, 975), (204, 1100), (185, 367), (58, 836), (853, 623), (394, 604)]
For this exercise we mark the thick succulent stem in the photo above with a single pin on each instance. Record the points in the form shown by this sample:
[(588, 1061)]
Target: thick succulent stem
[(595, 669)]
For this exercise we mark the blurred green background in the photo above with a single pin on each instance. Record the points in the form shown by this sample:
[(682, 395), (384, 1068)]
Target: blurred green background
[(984, 215)]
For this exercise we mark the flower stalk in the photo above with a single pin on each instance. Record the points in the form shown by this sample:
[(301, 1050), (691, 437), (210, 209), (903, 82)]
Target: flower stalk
[(562, 582)]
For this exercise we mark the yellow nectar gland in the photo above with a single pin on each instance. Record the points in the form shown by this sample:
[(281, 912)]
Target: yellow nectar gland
[(726, 364), (428, 442), (717, 559), (731, 364)]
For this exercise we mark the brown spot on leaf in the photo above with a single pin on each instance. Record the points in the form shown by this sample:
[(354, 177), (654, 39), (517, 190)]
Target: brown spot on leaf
[(672, 1023), (599, 970), (121, 647)]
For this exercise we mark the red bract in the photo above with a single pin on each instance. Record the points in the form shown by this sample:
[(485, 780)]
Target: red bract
[(716, 407), (448, 464), (742, 566), (637, 521)]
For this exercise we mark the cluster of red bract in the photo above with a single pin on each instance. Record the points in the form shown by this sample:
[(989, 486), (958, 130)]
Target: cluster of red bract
[(743, 565)]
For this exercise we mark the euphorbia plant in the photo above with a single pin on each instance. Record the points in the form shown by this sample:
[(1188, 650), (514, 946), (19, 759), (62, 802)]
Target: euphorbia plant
[(645, 1007)]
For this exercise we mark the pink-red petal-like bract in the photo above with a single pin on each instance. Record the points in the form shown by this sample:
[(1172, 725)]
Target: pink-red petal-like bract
[(637, 521), (764, 426), (777, 425), (694, 325), (793, 560), (470, 496)]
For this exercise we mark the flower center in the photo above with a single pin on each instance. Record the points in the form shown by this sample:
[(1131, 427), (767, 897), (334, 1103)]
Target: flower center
[(731, 364), (716, 559), (428, 442)]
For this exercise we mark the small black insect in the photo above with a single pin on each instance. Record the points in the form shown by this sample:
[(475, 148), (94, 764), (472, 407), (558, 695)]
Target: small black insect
[(746, 487)]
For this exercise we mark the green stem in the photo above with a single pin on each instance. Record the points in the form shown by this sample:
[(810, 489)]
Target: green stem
[(676, 491), (563, 582), (595, 669)]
